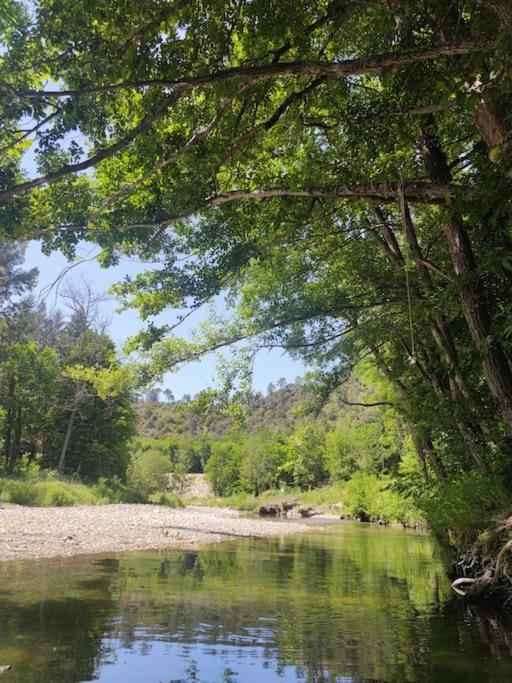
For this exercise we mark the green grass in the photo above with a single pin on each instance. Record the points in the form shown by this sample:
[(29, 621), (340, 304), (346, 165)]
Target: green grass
[(52, 492), (458, 511), (48, 493)]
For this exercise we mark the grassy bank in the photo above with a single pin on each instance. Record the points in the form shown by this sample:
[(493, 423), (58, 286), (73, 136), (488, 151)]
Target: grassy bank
[(51, 492), (363, 497)]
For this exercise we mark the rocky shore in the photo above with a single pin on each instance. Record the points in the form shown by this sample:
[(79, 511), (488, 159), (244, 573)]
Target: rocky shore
[(52, 532)]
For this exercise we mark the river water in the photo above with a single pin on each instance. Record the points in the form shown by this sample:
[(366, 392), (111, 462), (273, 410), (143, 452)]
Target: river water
[(349, 602)]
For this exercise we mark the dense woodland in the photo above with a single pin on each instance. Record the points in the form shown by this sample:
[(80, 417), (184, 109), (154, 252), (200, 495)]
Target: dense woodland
[(51, 410), (339, 170)]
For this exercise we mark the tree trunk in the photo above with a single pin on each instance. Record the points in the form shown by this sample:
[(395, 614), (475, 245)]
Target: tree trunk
[(16, 441), (8, 425), (496, 368), (439, 330), (442, 336), (69, 431)]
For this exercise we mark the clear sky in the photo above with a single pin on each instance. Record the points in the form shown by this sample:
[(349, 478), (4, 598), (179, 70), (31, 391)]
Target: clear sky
[(269, 366)]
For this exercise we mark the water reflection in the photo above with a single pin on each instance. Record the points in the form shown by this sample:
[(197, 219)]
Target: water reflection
[(349, 603)]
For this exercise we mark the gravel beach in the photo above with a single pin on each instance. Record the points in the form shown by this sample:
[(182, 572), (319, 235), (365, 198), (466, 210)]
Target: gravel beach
[(53, 532)]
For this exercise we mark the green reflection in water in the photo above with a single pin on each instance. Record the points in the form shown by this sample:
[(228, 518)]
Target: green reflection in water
[(348, 602)]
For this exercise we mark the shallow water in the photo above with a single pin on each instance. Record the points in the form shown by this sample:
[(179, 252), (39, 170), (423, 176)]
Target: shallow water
[(350, 602)]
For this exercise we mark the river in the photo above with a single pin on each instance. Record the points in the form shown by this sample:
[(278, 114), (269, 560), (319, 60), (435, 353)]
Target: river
[(349, 602)]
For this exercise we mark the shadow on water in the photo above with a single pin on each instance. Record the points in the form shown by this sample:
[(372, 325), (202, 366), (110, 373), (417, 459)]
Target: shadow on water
[(347, 603)]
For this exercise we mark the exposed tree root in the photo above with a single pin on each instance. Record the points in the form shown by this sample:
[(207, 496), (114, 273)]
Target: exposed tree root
[(484, 572)]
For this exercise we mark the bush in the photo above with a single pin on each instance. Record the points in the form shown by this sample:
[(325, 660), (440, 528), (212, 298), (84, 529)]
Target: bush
[(114, 491), (61, 494), (464, 507), (368, 497), (149, 472), (20, 492), (170, 500)]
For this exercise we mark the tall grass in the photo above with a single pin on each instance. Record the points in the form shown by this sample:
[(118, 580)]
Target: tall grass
[(48, 491), (461, 509)]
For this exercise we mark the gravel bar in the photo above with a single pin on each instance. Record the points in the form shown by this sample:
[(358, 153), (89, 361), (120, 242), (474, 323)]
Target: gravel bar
[(27, 532)]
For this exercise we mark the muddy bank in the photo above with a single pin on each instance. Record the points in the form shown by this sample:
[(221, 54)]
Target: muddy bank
[(52, 532)]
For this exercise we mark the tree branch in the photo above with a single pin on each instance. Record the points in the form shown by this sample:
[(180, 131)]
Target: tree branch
[(29, 132), (166, 13), (105, 153), (367, 405), (194, 139), (372, 64), (358, 66), (383, 191)]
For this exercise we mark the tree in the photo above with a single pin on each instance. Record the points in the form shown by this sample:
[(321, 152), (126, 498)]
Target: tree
[(304, 464), (263, 456), (223, 465), (357, 207), (27, 383), (86, 345)]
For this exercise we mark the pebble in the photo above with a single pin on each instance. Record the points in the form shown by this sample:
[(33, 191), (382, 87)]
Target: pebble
[(52, 532)]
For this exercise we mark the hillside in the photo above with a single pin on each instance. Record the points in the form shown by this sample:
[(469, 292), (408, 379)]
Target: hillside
[(280, 409)]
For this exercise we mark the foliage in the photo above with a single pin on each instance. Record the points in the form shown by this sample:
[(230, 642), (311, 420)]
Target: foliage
[(304, 457), (223, 466), (368, 497), (170, 500), (277, 410), (65, 399), (340, 171), (465, 506), (48, 493), (149, 472), (115, 491)]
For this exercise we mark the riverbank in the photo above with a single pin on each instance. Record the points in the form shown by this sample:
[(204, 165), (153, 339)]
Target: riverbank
[(363, 498), (27, 532)]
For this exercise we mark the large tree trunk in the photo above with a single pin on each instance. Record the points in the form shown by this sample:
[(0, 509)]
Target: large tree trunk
[(495, 365), (439, 328)]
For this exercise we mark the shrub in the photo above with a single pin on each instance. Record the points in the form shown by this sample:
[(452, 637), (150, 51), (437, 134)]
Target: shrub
[(367, 496), (465, 506), (170, 500), (114, 491), (149, 472), (20, 492)]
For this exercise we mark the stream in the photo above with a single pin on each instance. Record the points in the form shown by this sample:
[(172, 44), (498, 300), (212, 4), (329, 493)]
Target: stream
[(346, 602)]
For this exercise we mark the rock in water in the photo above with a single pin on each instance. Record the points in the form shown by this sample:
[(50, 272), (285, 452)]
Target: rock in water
[(306, 511)]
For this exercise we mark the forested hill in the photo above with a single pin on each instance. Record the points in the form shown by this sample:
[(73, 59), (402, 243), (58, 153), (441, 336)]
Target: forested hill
[(280, 409)]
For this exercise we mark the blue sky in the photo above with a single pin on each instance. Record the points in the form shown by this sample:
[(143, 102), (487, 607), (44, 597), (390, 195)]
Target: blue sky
[(269, 366)]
